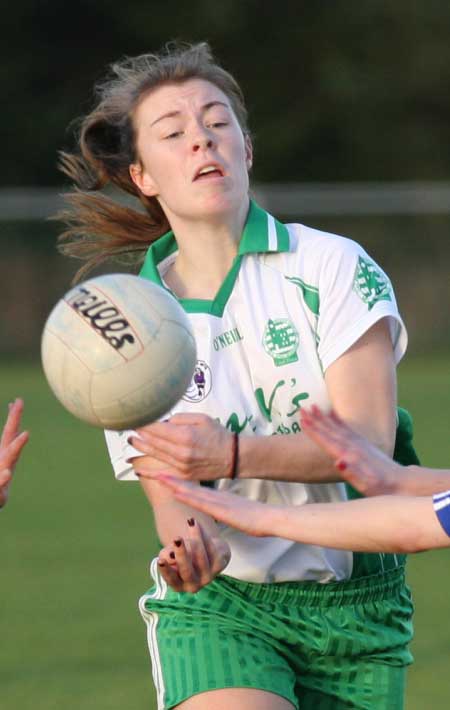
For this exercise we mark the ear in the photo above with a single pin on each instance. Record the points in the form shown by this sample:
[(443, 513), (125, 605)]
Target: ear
[(248, 152), (142, 180)]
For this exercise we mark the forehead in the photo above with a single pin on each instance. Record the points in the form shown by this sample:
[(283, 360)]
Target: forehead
[(190, 94)]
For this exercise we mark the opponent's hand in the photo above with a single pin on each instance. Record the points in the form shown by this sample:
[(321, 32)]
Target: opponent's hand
[(193, 560), (11, 444), (190, 446), (360, 463), (249, 516)]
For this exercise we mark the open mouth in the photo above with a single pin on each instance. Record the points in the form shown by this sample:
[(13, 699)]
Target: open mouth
[(208, 171)]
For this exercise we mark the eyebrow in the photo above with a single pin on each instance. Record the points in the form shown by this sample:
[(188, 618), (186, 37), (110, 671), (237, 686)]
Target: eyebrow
[(205, 107)]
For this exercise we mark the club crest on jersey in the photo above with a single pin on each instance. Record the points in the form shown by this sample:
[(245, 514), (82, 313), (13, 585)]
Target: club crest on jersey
[(280, 341), (201, 383), (370, 284)]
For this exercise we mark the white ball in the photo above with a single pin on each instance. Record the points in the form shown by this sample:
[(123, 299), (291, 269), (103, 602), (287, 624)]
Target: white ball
[(118, 351)]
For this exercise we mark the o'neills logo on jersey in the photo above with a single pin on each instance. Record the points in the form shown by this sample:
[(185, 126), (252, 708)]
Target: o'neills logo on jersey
[(227, 338), (102, 315), (201, 383), (280, 341)]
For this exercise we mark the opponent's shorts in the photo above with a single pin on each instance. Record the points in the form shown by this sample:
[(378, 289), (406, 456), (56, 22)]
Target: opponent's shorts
[(321, 646)]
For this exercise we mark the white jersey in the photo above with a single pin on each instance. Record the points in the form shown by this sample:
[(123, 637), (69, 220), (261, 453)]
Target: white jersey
[(293, 302)]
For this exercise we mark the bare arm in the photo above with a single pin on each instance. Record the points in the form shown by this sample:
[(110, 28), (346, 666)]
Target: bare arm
[(362, 389), (380, 524)]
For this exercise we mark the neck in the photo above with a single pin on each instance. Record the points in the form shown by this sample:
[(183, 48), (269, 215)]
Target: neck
[(206, 253)]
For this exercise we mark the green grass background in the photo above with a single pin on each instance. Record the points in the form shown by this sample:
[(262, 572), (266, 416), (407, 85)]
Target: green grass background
[(75, 547)]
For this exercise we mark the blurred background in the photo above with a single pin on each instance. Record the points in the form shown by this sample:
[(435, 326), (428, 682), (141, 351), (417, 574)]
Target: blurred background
[(349, 106)]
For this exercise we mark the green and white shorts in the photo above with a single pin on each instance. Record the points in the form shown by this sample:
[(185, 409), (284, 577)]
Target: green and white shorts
[(321, 646)]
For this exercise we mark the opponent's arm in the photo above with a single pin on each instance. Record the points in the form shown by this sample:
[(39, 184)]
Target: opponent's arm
[(362, 389), (11, 445), (380, 524), (364, 465)]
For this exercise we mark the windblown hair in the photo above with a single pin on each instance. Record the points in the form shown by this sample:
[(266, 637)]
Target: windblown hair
[(98, 227)]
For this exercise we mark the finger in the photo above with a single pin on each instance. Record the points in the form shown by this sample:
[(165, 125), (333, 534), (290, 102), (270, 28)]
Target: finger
[(150, 473), (324, 432), (9, 455), (12, 423), (220, 505), (186, 418), (196, 552), (5, 477), (211, 553), (171, 576), (219, 554), (184, 557), (322, 438), (171, 453), (166, 431)]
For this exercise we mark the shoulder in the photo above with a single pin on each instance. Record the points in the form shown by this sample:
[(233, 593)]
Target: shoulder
[(313, 251)]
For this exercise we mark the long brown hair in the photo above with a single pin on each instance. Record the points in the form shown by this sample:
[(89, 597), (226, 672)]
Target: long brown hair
[(99, 227)]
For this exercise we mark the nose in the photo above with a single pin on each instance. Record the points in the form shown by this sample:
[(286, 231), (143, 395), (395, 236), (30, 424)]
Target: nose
[(202, 140), (202, 143)]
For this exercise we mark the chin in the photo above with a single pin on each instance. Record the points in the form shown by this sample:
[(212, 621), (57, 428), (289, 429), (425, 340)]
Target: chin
[(223, 204)]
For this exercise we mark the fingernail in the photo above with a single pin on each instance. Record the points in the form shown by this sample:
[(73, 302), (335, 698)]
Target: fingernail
[(177, 542), (172, 555), (341, 465), (191, 522)]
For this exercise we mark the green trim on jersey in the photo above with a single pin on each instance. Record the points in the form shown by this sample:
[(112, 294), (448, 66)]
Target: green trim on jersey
[(217, 306), (310, 294), (262, 233)]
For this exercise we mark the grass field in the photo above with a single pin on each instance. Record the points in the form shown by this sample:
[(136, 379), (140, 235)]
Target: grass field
[(75, 546)]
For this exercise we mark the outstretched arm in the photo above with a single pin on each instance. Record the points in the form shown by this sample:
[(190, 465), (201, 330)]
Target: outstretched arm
[(365, 466), (11, 445), (361, 387), (379, 524)]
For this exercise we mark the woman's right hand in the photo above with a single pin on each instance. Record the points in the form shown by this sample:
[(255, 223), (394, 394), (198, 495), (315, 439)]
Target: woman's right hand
[(193, 560)]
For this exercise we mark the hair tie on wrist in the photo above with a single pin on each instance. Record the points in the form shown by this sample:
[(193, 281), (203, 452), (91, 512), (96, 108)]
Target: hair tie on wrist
[(234, 456)]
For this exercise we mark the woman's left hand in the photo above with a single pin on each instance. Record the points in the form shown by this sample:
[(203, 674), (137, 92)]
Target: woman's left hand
[(190, 446), (193, 560)]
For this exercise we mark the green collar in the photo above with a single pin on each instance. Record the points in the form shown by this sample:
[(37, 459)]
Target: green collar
[(262, 233)]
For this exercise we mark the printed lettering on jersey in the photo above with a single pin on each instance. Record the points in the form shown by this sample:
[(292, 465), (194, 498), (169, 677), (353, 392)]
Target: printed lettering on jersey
[(201, 383), (370, 284), (280, 341), (228, 337)]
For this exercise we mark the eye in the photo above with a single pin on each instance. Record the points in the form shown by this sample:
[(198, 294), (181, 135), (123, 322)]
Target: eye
[(218, 124), (174, 134)]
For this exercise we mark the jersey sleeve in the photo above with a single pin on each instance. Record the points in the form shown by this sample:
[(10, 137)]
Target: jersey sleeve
[(441, 503), (119, 451), (354, 293)]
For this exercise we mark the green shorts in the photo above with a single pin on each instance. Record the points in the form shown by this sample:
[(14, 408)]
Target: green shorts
[(321, 646)]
